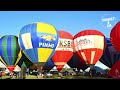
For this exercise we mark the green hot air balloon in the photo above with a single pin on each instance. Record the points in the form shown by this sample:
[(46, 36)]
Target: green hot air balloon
[(10, 51)]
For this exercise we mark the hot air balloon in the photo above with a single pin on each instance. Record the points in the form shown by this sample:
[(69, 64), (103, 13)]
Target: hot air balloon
[(110, 55), (115, 70), (9, 51), (26, 61), (64, 50), (48, 65), (115, 36), (89, 45), (75, 62), (38, 41)]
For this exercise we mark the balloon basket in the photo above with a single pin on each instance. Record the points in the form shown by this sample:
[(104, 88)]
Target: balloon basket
[(40, 69), (40, 65)]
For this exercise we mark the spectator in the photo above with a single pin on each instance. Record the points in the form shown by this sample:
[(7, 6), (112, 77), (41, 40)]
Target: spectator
[(1, 74)]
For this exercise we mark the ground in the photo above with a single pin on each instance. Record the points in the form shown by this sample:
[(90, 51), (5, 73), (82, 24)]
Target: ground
[(56, 77)]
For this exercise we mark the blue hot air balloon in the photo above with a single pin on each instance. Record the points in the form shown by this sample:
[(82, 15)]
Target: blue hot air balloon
[(48, 65), (110, 55), (38, 41)]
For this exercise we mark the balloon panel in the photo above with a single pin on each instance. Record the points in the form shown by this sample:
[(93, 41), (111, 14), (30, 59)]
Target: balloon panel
[(24, 59), (75, 62), (115, 36), (48, 65), (115, 70), (110, 55)]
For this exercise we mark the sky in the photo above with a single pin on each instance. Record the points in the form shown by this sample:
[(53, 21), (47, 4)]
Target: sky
[(11, 22)]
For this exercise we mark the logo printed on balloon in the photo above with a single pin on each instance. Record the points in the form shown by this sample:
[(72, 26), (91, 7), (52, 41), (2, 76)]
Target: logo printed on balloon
[(46, 40), (86, 42), (65, 44)]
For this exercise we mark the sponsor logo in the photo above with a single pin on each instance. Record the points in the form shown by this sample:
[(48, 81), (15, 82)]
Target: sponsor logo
[(65, 43), (48, 45), (48, 37), (84, 42), (46, 40)]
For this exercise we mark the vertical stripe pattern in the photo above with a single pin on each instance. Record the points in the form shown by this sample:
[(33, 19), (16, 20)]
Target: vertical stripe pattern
[(9, 49)]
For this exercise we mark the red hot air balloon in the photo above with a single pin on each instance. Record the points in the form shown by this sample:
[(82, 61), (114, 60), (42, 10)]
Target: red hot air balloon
[(115, 36), (115, 70), (89, 45), (64, 50), (76, 62)]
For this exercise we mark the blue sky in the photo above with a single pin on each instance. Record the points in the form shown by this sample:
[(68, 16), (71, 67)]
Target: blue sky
[(11, 22)]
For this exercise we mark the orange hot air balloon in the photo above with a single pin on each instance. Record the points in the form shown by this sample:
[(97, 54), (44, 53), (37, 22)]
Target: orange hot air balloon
[(64, 50), (89, 45)]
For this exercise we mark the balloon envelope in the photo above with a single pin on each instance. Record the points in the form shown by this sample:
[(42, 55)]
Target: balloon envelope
[(75, 62), (10, 51), (48, 65), (38, 41), (110, 55), (64, 49), (89, 45), (27, 62), (115, 70), (115, 36)]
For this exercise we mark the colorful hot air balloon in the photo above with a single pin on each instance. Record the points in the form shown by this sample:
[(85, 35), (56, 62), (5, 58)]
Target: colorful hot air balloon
[(38, 41), (115, 36), (89, 45), (110, 55), (27, 62), (48, 65), (64, 49), (10, 51), (75, 62), (115, 70)]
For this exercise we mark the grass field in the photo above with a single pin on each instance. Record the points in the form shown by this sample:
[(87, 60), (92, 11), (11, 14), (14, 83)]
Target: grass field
[(56, 77)]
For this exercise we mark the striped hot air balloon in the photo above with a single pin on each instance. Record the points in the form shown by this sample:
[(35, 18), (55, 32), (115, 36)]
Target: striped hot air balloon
[(64, 50), (1, 58), (38, 41), (10, 51), (76, 62), (89, 45)]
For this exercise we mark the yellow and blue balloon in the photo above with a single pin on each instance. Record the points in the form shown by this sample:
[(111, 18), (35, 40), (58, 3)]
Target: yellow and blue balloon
[(38, 41)]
